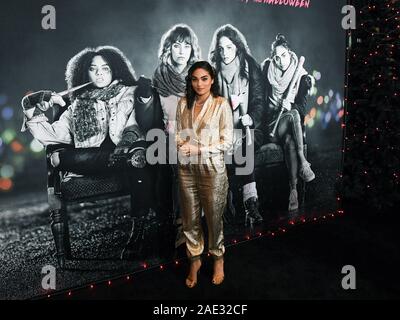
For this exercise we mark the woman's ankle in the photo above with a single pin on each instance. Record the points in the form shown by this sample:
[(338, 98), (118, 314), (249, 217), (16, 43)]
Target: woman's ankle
[(219, 273), (195, 263), (218, 263)]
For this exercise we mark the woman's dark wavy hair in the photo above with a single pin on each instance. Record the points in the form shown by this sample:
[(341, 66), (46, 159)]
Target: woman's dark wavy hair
[(238, 40), (183, 33), (190, 93), (280, 40), (78, 66)]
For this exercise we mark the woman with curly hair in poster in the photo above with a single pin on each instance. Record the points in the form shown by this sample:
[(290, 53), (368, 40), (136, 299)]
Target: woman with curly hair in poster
[(104, 120)]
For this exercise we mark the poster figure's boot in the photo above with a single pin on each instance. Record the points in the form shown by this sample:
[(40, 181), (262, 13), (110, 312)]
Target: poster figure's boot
[(253, 216), (156, 239), (306, 173), (180, 237), (293, 201), (230, 211), (135, 244), (164, 237), (231, 205)]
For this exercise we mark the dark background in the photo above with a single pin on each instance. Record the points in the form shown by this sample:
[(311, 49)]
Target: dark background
[(36, 58), (32, 58), (304, 263)]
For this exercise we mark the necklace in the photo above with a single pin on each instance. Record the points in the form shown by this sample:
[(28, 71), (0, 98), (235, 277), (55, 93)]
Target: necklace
[(200, 104)]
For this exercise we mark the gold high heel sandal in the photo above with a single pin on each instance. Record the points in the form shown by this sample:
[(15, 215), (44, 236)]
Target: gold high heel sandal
[(293, 201), (190, 283), (217, 280)]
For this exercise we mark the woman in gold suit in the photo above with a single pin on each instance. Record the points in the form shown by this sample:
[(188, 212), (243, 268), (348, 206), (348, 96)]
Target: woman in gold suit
[(204, 132)]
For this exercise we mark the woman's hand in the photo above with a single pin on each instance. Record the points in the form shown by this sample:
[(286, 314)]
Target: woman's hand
[(46, 105), (189, 149), (144, 88), (57, 99), (246, 120)]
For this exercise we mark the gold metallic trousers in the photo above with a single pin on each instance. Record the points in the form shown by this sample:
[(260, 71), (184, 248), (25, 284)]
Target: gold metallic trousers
[(201, 187)]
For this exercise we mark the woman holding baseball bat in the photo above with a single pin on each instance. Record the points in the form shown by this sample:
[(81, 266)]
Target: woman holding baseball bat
[(101, 117), (287, 87), (240, 81), (108, 116)]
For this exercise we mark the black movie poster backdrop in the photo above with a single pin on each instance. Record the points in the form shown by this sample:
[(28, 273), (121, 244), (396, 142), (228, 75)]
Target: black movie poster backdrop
[(34, 55)]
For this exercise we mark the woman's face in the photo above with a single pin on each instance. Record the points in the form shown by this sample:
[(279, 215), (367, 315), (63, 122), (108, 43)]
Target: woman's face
[(282, 58), (201, 82), (227, 50), (180, 52), (100, 72)]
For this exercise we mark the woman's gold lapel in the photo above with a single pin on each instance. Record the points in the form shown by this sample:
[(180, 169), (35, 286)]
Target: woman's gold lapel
[(205, 114)]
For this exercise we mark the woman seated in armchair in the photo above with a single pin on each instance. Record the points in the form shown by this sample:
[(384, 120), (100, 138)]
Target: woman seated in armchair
[(278, 72), (105, 119)]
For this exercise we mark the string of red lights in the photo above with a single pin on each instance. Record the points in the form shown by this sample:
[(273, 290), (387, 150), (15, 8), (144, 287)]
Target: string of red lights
[(145, 266)]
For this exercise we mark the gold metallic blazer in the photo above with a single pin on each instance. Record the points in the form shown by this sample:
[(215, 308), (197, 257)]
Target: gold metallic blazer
[(212, 130)]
